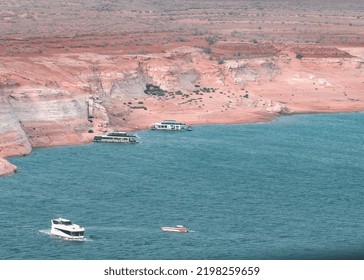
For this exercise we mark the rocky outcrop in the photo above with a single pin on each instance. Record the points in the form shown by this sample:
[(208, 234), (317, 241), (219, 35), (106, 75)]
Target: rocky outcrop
[(319, 51), (267, 105), (6, 168), (253, 70), (39, 117), (172, 71), (131, 84), (49, 117), (14, 140)]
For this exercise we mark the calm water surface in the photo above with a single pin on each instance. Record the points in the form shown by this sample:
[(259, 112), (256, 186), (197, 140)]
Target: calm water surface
[(290, 189)]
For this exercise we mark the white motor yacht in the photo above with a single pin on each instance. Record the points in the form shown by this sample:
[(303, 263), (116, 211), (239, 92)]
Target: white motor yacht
[(64, 228)]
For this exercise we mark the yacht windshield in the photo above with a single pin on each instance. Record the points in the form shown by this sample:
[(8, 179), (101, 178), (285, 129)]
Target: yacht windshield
[(61, 222)]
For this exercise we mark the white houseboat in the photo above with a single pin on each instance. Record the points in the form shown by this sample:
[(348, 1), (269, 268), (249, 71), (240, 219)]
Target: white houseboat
[(64, 228), (117, 137), (171, 125)]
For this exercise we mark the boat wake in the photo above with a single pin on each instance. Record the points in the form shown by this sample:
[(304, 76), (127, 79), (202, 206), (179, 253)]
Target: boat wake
[(116, 229), (47, 232)]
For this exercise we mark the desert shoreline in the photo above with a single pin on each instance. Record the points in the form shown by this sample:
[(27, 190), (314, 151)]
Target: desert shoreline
[(65, 78), (8, 168)]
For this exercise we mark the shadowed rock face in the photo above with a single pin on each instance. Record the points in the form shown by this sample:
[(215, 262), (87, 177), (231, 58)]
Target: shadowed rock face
[(14, 140), (216, 62), (42, 116)]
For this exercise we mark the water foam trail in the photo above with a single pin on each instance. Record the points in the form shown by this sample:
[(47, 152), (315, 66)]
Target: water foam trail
[(118, 228), (47, 232)]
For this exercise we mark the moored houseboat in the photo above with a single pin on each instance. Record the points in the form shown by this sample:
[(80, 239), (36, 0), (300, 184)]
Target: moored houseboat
[(171, 125), (117, 137)]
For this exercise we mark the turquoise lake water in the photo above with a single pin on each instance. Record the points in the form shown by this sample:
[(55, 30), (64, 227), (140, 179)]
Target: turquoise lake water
[(289, 189)]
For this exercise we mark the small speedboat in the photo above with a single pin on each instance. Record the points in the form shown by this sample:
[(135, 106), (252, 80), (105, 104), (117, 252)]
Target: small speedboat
[(178, 228), (64, 228)]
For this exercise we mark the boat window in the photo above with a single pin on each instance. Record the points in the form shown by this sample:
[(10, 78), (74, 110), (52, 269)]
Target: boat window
[(55, 222), (65, 231), (68, 223), (77, 233)]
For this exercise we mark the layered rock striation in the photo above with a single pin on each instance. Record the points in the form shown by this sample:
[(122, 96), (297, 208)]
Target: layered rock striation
[(65, 98)]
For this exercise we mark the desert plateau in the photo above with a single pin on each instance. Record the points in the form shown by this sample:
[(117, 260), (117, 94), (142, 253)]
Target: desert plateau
[(73, 69)]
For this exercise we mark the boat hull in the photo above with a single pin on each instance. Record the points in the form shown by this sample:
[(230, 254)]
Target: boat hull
[(171, 125), (117, 137), (59, 234), (175, 229), (122, 141)]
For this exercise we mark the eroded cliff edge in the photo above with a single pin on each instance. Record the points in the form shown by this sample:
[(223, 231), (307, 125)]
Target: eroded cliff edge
[(64, 98)]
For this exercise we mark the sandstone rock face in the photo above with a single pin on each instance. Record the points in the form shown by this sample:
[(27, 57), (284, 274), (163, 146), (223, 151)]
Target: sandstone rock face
[(6, 168), (14, 141), (49, 117), (57, 99), (130, 84), (252, 70)]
